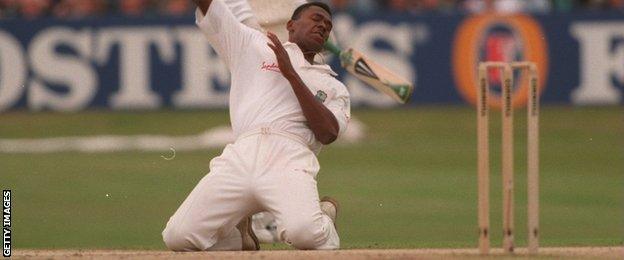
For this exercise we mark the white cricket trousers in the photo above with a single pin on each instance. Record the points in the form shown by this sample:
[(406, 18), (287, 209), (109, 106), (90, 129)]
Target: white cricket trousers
[(264, 170)]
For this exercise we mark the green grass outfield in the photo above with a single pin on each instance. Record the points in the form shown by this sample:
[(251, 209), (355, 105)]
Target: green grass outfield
[(411, 184)]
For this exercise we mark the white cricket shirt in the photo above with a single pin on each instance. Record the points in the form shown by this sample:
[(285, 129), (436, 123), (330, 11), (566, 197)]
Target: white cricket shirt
[(259, 95)]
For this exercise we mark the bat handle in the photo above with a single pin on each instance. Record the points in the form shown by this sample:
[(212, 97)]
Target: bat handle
[(332, 47)]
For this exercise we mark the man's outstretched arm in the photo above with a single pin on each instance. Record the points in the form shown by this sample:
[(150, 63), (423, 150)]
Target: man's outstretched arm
[(203, 5)]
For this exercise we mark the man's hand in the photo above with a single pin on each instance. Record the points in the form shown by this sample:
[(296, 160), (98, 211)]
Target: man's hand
[(283, 60)]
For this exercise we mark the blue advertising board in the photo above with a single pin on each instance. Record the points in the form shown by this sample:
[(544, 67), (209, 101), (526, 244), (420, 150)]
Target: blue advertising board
[(151, 63)]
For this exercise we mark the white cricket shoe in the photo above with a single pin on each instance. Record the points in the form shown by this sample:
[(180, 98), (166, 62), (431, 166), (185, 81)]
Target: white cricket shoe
[(329, 206), (265, 227)]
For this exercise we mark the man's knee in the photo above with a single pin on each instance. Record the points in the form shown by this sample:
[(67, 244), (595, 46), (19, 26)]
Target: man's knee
[(173, 240), (304, 234), (179, 238)]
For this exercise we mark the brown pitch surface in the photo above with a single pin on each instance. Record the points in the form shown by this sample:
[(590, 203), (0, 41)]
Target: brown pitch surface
[(546, 253)]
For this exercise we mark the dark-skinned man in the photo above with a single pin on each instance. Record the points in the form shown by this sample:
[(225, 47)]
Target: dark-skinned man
[(283, 108)]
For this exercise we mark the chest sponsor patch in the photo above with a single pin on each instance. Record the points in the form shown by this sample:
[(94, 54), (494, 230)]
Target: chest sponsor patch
[(321, 96), (270, 67)]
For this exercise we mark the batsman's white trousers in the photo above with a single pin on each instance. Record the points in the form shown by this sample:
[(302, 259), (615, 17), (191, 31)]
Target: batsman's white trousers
[(264, 170)]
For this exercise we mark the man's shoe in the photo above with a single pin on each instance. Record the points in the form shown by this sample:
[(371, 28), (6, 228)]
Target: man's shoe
[(329, 206), (265, 227), (250, 241)]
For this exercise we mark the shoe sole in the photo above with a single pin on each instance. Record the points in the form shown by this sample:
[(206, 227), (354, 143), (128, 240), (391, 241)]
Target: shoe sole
[(336, 205), (249, 231)]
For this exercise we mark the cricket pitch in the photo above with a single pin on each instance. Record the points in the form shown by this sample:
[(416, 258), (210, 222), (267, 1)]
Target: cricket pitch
[(549, 252)]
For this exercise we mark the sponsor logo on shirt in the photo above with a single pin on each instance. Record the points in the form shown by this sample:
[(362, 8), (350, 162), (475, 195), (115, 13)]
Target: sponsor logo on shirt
[(321, 96), (270, 67)]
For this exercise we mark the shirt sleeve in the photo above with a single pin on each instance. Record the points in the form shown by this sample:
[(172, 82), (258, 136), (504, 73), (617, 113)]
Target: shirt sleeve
[(240, 9), (224, 32), (340, 106)]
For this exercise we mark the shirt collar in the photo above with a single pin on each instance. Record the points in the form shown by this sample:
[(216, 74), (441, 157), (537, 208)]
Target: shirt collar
[(305, 64)]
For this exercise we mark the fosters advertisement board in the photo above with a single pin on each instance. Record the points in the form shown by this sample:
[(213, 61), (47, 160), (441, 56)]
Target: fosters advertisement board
[(151, 63)]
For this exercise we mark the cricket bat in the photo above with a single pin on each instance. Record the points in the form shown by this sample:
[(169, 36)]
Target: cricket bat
[(372, 73)]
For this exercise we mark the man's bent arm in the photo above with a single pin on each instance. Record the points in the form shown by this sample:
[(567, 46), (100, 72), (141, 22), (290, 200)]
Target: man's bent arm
[(203, 5), (321, 120)]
